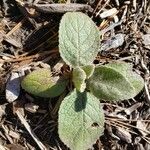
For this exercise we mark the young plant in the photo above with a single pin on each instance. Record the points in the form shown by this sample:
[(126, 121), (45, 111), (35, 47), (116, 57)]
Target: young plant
[(80, 116)]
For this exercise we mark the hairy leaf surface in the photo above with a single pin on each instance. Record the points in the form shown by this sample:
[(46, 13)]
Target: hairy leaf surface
[(80, 121), (41, 83), (115, 81), (79, 77), (89, 70), (78, 39)]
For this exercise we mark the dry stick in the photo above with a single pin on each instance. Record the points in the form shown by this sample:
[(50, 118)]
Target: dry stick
[(96, 7), (117, 2), (147, 94), (134, 4), (112, 26), (25, 12), (130, 126), (28, 128), (145, 67), (146, 139), (113, 123), (147, 73), (16, 27), (7, 135), (52, 52), (127, 119), (102, 7), (41, 43), (61, 8)]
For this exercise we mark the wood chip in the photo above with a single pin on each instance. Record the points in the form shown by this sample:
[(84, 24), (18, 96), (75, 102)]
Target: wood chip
[(31, 107), (123, 134), (108, 13), (14, 134), (13, 42), (134, 107)]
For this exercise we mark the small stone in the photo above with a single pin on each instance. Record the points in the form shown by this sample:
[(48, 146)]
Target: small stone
[(146, 39), (13, 87)]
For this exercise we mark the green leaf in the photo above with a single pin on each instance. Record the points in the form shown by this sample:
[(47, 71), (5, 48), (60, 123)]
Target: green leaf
[(78, 39), (81, 120), (78, 79), (89, 70), (41, 83), (115, 81)]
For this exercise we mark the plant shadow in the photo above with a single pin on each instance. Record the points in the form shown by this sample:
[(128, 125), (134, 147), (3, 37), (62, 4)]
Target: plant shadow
[(80, 102)]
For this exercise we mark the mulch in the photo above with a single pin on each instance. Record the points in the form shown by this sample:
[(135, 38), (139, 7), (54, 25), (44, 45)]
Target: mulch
[(29, 40)]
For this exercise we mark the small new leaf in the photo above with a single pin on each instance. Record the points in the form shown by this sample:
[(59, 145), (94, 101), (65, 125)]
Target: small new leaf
[(115, 81), (79, 39), (80, 121), (41, 83), (89, 70), (78, 79)]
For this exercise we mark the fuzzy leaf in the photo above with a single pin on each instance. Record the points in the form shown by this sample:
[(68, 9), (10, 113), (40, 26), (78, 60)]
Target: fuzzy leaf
[(79, 77), (81, 120), (89, 70), (78, 39), (41, 83), (115, 81)]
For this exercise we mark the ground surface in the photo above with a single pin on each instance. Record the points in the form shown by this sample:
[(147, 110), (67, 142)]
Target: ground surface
[(29, 40)]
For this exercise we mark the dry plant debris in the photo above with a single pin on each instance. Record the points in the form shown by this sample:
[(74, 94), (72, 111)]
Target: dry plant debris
[(29, 40)]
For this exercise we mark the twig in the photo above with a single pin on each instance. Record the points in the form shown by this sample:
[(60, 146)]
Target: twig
[(96, 7), (132, 120), (117, 2), (28, 128), (145, 67), (61, 8), (112, 26), (102, 7), (147, 93), (147, 73), (113, 123), (16, 27), (134, 4), (129, 125), (52, 52)]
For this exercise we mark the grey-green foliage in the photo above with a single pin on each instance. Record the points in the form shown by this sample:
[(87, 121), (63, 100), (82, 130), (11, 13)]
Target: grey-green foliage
[(78, 39), (81, 120), (41, 83), (89, 70), (115, 81), (79, 76), (78, 79)]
